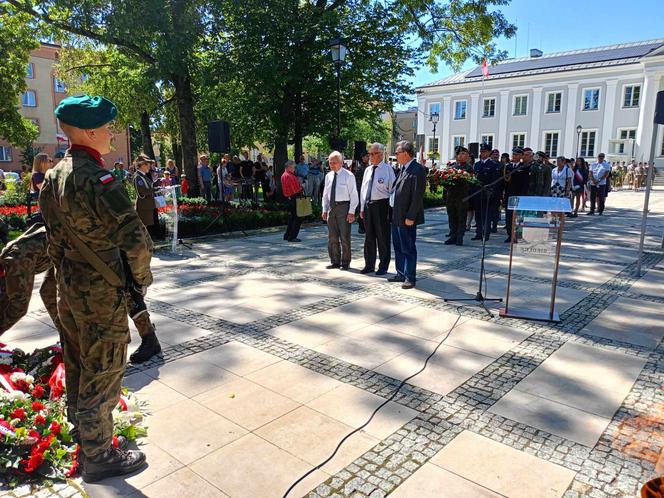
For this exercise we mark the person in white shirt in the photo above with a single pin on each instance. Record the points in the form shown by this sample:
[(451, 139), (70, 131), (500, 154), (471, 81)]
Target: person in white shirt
[(597, 181), (377, 184), (561, 179), (340, 200)]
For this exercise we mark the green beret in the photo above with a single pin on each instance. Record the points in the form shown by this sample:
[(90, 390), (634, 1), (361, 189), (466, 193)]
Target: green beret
[(85, 112)]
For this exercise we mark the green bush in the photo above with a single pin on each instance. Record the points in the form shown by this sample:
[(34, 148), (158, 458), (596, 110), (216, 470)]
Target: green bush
[(433, 199)]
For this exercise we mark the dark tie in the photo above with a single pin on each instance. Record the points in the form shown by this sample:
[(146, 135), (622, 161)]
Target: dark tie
[(333, 194), (373, 173)]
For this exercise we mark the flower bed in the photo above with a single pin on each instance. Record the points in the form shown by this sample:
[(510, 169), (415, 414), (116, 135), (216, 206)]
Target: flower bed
[(35, 438)]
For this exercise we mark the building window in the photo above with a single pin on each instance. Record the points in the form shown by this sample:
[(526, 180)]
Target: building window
[(434, 109), (520, 105), (460, 109), (488, 140), (591, 99), (489, 108), (588, 143), (553, 101), (433, 144), (5, 154), (518, 140), (29, 99), (30, 71), (458, 141), (551, 139), (59, 86), (625, 134), (632, 96)]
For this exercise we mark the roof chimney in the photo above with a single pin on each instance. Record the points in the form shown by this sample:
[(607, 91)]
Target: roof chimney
[(535, 52)]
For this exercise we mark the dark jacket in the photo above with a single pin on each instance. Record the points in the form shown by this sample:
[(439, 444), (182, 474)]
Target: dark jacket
[(409, 195), (517, 183), (145, 204)]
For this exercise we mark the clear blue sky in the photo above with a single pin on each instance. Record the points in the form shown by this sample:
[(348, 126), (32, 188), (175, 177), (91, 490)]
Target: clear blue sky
[(558, 25)]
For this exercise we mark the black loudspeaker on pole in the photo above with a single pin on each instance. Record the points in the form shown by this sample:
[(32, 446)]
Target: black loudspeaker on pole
[(659, 108), (474, 149), (219, 136)]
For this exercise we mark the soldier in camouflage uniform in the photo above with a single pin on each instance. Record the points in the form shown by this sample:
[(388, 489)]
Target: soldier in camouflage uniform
[(89, 221), (26, 257), (20, 261)]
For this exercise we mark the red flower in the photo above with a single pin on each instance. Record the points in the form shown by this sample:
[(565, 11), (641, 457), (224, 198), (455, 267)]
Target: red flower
[(37, 406), (18, 413), (22, 385), (74, 462), (33, 433), (40, 420), (115, 441), (54, 428), (38, 392)]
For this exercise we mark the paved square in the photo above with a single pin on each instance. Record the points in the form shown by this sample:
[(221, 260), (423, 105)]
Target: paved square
[(269, 362)]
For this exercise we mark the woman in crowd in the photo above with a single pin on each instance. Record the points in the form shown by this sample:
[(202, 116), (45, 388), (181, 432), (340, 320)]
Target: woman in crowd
[(173, 171), (578, 184), (40, 164), (260, 177), (561, 179)]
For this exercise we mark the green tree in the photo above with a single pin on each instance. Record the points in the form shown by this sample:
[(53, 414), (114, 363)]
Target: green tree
[(17, 39), (164, 34)]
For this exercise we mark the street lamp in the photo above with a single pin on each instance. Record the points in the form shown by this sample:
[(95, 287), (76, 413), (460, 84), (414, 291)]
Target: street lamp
[(434, 119), (579, 129), (338, 52)]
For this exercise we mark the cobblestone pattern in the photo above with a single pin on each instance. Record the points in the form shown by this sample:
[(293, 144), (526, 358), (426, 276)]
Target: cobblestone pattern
[(72, 488)]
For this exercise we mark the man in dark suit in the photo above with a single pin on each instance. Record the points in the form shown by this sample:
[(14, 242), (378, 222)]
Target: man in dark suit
[(486, 171), (407, 202)]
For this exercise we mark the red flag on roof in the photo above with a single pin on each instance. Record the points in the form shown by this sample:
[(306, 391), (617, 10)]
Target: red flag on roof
[(485, 68)]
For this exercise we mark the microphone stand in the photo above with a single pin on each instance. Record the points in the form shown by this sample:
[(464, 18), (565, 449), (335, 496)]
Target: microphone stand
[(479, 298)]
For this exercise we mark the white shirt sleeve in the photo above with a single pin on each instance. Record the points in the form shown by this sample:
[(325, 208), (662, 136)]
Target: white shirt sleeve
[(326, 192), (352, 193)]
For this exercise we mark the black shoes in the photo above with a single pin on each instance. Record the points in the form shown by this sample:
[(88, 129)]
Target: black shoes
[(408, 285), (381, 272), (450, 242), (110, 463), (344, 267), (331, 267), (396, 278), (295, 240), (149, 347), (364, 271), (590, 213)]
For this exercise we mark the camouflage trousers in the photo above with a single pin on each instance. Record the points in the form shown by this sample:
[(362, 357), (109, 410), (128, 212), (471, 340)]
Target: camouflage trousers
[(16, 291), (96, 333)]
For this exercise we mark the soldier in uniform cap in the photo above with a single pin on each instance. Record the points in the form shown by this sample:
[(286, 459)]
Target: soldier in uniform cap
[(516, 183), (91, 224), (486, 171), (456, 207), (539, 183)]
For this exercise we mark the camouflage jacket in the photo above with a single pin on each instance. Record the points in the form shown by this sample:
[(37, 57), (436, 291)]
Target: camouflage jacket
[(97, 209), (27, 254)]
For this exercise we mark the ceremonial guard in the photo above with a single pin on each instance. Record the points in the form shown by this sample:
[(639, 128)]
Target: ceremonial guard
[(91, 224), (456, 206), (377, 183), (487, 171), (539, 182), (516, 183), (20, 261), (146, 206)]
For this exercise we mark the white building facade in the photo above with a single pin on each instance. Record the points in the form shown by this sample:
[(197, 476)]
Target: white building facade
[(566, 103)]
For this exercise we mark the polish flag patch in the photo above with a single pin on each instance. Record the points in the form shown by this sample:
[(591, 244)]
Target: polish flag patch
[(106, 179)]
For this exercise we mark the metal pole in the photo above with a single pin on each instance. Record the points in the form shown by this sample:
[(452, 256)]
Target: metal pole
[(578, 144), (646, 200), (338, 99)]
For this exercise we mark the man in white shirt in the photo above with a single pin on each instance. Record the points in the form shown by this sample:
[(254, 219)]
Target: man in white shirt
[(340, 200), (377, 184), (597, 180)]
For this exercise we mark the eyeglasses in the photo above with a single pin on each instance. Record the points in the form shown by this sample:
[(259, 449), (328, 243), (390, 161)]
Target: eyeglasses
[(374, 153)]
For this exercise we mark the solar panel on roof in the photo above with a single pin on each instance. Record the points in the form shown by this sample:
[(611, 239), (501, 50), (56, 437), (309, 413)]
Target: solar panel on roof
[(568, 60)]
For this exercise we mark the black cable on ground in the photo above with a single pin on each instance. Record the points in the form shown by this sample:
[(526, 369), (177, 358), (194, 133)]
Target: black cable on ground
[(373, 414)]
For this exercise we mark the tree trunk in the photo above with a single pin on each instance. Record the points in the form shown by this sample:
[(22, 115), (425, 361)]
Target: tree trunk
[(280, 158), (185, 105), (177, 155), (146, 136), (297, 127)]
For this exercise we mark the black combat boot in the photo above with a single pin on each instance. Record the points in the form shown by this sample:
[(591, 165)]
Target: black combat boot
[(149, 347), (110, 463)]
